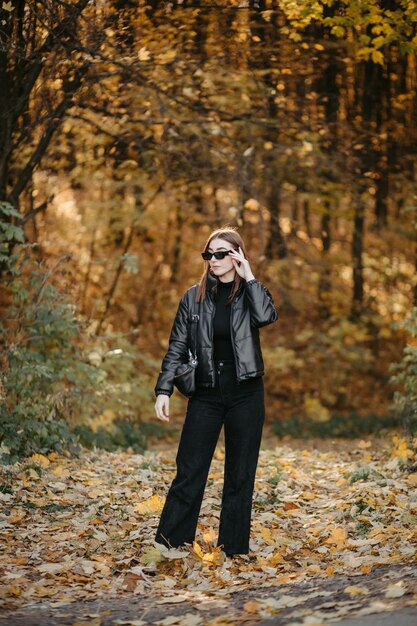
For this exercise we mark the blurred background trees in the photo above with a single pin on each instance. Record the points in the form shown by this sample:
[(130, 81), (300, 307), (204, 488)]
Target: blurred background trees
[(129, 130)]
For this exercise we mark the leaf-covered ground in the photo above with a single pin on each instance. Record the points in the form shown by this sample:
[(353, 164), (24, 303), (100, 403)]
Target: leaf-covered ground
[(76, 529)]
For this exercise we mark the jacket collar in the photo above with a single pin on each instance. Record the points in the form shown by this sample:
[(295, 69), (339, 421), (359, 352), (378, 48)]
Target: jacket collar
[(212, 282)]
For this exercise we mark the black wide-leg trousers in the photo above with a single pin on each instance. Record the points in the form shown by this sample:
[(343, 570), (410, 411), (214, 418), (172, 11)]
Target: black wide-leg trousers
[(240, 408)]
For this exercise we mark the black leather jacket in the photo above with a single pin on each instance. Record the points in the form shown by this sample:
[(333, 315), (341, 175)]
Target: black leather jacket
[(252, 307)]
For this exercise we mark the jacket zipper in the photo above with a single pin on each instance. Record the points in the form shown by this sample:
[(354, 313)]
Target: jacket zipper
[(232, 337), (213, 368)]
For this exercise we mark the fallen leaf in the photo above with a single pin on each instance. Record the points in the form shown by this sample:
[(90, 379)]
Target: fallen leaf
[(355, 590), (151, 506), (396, 590)]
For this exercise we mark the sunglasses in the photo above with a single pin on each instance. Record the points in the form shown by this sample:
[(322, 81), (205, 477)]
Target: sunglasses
[(207, 256)]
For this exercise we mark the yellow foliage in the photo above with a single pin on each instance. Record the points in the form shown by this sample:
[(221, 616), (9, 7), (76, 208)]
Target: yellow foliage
[(315, 543), (400, 449), (338, 537), (252, 204), (209, 558), (252, 606), (314, 410), (60, 471), (150, 506), (210, 535), (355, 590), (14, 590), (276, 558), (377, 57), (197, 550), (104, 420), (39, 459), (144, 54)]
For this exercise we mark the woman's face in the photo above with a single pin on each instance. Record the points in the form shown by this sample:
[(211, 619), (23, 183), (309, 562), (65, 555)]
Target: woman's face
[(219, 267)]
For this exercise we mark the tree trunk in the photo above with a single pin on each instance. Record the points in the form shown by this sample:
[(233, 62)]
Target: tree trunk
[(276, 247), (324, 286), (357, 252), (306, 217), (176, 253)]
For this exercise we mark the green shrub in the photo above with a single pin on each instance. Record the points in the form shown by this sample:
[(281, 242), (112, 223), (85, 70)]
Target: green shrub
[(121, 434), (60, 385), (351, 425), (405, 399), (44, 376)]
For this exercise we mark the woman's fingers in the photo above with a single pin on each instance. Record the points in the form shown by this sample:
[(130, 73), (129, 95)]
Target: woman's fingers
[(234, 253), (160, 414), (162, 408), (237, 256), (165, 407)]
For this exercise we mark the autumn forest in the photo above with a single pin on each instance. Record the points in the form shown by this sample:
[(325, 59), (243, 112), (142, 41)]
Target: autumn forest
[(129, 130)]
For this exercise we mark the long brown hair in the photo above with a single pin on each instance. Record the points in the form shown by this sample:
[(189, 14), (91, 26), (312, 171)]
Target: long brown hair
[(229, 234)]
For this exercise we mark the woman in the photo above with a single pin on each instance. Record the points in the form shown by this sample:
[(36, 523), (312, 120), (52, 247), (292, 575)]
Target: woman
[(232, 305)]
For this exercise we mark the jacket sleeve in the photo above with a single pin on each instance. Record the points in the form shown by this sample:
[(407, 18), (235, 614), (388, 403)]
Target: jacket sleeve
[(261, 304), (177, 350)]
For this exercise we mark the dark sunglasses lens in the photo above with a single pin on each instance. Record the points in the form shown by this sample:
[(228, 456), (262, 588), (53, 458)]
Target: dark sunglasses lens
[(217, 255)]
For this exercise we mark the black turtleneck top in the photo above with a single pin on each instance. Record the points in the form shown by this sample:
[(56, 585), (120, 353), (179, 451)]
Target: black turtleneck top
[(221, 325)]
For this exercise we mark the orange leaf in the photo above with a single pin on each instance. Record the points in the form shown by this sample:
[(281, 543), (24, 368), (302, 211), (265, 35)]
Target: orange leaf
[(288, 506)]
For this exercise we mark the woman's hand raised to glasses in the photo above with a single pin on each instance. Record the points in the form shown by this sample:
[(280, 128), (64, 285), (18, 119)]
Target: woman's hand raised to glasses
[(241, 264), (162, 407)]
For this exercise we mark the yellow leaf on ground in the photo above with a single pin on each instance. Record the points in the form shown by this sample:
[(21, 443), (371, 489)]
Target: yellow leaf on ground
[(33, 474), (215, 475), (14, 590), (16, 516), (150, 506), (210, 535), (95, 493), (197, 550), (210, 558), (338, 537), (276, 558), (40, 459), (44, 592), (252, 606), (60, 471), (355, 590)]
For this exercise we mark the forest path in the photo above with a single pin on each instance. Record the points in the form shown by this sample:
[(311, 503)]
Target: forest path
[(315, 602), (333, 537)]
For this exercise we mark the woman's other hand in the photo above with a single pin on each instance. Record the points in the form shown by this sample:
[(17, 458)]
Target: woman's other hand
[(241, 264), (162, 407)]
